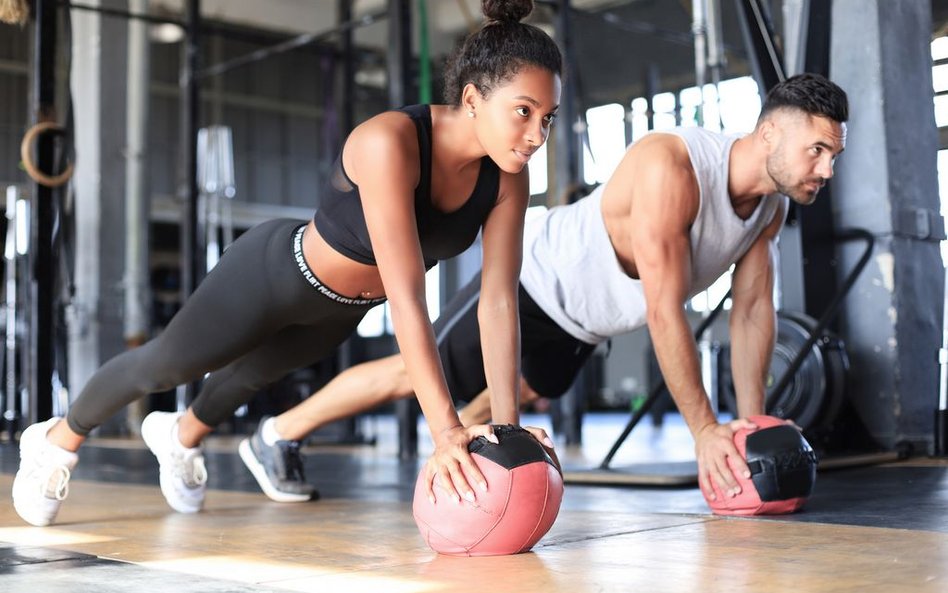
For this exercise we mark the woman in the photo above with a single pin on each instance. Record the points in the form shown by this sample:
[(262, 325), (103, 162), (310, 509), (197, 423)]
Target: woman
[(410, 187)]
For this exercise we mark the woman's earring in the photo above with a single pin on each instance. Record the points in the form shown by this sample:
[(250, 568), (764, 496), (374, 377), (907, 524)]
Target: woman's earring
[(470, 113)]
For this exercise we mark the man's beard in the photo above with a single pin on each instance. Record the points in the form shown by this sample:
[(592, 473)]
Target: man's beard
[(796, 192)]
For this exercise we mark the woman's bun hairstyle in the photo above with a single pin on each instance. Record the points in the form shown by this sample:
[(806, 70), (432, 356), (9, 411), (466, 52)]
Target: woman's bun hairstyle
[(499, 50), (506, 10)]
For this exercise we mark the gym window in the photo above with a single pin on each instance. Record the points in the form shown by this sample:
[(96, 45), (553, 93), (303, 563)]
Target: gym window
[(732, 107)]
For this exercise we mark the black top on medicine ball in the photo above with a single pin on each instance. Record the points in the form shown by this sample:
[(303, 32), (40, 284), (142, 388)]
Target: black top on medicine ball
[(782, 463), (517, 447)]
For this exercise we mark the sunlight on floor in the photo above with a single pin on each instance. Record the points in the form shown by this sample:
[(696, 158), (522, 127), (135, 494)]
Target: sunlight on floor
[(289, 576), (49, 536)]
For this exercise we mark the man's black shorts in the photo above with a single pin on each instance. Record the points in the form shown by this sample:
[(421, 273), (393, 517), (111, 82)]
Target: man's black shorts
[(551, 358)]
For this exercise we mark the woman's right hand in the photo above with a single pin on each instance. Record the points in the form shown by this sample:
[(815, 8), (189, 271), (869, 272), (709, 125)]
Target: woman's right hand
[(452, 465)]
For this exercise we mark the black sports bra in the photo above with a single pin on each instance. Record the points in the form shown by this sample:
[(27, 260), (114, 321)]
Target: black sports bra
[(340, 218)]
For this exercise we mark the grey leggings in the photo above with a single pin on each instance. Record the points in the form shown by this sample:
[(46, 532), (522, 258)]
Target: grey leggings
[(254, 318)]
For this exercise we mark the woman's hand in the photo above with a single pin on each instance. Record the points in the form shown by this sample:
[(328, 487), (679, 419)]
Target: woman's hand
[(452, 465), (540, 435)]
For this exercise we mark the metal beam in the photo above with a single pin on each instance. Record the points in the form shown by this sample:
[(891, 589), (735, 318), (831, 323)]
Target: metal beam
[(567, 144), (399, 55), (763, 55), (347, 86), (41, 249), (192, 261), (399, 42), (290, 44), (820, 282), (124, 14)]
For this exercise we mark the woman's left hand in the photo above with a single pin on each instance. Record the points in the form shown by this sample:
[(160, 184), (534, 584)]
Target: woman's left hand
[(540, 435)]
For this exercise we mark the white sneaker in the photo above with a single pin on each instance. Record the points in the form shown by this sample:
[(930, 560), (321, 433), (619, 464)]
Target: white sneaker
[(183, 476), (42, 482)]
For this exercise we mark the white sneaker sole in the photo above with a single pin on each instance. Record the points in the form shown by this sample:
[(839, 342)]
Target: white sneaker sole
[(260, 474), (36, 517)]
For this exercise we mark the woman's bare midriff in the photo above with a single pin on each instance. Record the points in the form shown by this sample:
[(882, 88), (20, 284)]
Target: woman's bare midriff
[(343, 275)]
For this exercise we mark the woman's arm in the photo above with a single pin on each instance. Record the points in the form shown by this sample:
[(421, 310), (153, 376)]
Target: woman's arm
[(387, 187), (497, 313)]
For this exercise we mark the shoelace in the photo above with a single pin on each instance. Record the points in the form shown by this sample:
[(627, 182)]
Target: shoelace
[(60, 488), (293, 461), (191, 471), (62, 484)]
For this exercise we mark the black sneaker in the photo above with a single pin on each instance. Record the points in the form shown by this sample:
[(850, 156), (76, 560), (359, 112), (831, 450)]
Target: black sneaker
[(278, 468)]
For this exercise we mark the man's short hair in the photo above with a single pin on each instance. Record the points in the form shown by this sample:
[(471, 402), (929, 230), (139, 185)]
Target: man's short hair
[(810, 93)]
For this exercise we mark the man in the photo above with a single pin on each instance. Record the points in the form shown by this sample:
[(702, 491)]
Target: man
[(680, 209)]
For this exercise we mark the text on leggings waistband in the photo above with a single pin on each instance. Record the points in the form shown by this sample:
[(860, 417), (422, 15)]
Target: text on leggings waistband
[(314, 281)]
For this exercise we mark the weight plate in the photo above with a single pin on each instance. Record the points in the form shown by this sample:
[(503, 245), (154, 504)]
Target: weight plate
[(804, 397), (836, 364)]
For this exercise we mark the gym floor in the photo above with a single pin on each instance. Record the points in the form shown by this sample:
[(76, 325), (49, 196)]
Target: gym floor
[(880, 527)]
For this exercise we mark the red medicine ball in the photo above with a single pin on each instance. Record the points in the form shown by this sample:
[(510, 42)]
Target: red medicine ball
[(783, 471), (524, 491)]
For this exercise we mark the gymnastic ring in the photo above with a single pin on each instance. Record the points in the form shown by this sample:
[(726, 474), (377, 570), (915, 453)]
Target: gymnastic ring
[(26, 156)]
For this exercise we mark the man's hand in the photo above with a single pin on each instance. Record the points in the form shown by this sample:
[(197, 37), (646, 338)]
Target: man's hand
[(452, 465), (714, 444)]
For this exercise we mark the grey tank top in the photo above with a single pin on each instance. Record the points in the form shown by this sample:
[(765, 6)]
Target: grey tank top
[(570, 268)]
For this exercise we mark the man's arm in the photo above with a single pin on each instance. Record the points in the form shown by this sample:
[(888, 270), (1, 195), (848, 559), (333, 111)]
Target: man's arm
[(753, 319), (665, 199)]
